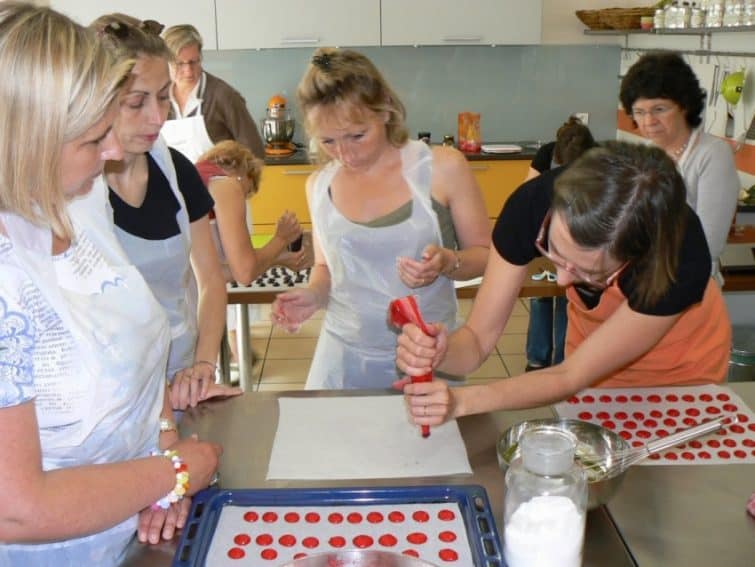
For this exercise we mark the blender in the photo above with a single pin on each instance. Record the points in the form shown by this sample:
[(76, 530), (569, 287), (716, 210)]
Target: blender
[(278, 128)]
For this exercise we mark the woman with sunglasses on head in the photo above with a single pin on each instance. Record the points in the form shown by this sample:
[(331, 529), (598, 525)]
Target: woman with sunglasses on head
[(83, 343), (390, 217), (643, 309), (160, 209), (662, 95)]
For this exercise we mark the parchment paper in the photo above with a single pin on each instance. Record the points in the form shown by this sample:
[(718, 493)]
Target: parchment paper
[(359, 438)]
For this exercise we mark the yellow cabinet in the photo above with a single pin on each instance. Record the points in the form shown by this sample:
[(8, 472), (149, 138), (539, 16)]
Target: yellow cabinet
[(281, 188), (497, 180)]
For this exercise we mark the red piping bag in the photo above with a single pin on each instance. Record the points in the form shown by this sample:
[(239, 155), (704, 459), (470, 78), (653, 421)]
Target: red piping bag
[(402, 311)]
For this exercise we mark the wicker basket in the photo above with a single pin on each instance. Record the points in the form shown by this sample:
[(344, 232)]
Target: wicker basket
[(591, 18), (624, 18)]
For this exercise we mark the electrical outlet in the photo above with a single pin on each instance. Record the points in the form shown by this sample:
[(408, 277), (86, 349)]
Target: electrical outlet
[(583, 117)]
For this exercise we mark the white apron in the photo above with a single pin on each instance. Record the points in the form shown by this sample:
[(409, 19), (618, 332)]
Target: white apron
[(100, 383), (166, 266), (189, 135), (357, 347)]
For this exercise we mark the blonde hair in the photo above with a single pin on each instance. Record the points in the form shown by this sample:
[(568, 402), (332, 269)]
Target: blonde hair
[(346, 80), (237, 160), (178, 37), (57, 83), (130, 38)]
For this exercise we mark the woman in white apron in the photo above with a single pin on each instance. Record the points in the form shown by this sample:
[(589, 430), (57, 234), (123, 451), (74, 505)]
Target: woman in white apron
[(83, 344), (160, 209), (390, 217)]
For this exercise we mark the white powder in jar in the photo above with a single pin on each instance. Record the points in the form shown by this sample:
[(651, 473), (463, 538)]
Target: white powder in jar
[(546, 531)]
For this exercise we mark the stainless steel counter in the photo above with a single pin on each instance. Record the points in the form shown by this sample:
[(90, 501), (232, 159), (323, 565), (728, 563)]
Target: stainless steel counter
[(246, 427)]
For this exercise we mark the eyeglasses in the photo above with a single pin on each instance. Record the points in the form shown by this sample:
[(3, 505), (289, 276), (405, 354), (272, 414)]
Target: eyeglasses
[(640, 113), (191, 64), (591, 279)]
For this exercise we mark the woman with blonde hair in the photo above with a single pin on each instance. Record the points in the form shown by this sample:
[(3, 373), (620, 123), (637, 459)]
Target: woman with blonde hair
[(390, 217), (643, 309), (83, 344), (232, 175), (160, 209)]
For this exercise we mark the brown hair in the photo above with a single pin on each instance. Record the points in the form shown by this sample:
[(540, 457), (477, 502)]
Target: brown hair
[(236, 160), (572, 140), (57, 84), (631, 200), (347, 79)]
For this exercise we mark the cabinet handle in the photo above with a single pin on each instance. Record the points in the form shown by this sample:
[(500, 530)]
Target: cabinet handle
[(297, 171), (300, 40), (462, 38), (479, 167)]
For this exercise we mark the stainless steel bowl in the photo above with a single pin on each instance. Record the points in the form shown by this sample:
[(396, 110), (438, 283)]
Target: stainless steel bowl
[(278, 130), (593, 443), (358, 558)]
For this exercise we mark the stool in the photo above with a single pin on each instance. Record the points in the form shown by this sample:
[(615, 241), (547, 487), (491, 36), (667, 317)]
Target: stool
[(742, 360)]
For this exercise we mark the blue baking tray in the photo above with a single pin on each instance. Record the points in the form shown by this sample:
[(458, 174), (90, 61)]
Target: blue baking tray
[(471, 499)]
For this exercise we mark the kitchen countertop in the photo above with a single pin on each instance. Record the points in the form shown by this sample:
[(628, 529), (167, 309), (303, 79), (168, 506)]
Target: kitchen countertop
[(529, 148), (246, 426), (661, 515)]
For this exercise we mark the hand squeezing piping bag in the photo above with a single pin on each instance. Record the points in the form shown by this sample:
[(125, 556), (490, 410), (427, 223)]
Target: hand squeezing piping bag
[(402, 311)]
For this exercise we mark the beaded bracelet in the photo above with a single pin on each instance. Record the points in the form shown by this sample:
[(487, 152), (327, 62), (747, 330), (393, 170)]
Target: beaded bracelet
[(182, 481)]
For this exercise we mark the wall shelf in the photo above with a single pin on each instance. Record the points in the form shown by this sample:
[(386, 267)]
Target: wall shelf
[(705, 35)]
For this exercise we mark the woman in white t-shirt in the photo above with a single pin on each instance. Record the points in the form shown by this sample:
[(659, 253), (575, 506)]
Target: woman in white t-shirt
[(83, 343)]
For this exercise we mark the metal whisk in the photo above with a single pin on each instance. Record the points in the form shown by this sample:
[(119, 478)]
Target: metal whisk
[(617, 462)]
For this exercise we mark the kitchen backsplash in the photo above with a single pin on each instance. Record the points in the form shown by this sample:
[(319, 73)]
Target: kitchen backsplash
[(522, 92)]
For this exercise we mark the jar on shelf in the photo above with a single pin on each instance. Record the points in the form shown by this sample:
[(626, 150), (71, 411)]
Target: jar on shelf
[(672, 13), (748, 13), (545, 502), (714, 14), (684, 15), (697, 17), (659, 19), (732, 13)]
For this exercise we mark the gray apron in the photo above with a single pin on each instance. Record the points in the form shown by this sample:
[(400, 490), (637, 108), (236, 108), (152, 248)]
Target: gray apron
[(166, 267)]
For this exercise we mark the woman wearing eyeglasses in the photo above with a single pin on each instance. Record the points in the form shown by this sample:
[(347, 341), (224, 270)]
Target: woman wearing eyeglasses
[(643, 309), (663, 96)]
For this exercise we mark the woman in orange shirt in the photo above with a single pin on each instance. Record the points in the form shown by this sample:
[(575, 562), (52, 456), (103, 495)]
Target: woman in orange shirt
[(643, 310)]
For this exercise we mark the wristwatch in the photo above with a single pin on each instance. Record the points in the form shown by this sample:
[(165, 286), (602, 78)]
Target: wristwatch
[(167, 425)]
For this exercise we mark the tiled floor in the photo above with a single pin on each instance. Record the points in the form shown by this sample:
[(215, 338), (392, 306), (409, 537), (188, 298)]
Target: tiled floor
[(284, 358)]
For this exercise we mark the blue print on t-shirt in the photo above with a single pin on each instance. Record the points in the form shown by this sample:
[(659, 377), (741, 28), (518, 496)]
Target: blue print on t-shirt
[(16, 368)]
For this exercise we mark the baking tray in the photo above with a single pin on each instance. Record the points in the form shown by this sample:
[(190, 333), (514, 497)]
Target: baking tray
[(472, 500)]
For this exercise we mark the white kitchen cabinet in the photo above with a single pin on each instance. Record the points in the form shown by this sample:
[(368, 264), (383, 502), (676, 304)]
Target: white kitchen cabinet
[(450, 22), (254, 24), (199, 13)]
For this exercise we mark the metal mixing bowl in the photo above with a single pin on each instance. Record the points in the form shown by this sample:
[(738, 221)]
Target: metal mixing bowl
[(358, 558), (278, 130), (593, 443)]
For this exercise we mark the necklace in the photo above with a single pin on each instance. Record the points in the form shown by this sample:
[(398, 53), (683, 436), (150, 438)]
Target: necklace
[(680, 150)]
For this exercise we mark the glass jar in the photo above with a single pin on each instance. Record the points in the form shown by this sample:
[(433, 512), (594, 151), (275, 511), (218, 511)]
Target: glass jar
[(697, 17), (714, 14), (448, 140), (732, 13), (671, 12), (659, 19), (748, 13), (684, 15), (545, 502)]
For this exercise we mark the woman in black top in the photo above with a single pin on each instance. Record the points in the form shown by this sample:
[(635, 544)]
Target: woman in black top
[(643, 309)]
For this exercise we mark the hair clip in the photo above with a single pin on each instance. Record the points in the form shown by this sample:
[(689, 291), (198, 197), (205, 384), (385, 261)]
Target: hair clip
[(152, 27), (322, 61), (116, 29)]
